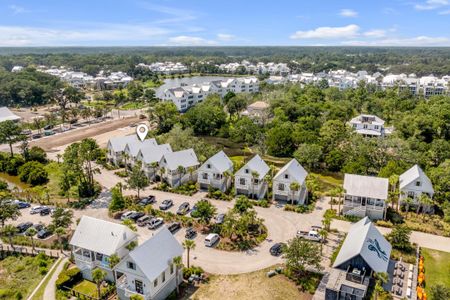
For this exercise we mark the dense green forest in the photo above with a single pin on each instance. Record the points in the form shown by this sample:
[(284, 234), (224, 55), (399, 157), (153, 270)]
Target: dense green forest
[(422, 61)]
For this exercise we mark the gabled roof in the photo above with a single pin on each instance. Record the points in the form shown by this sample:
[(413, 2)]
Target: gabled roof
[(185, 158), (156, 254), (7, 115), (101, 236), (371, 119), (366, 186), (135, 145), (293, 168), (364, 239), (414, 173), (118, 143), (256, 164), (220, 161), (152, 154)]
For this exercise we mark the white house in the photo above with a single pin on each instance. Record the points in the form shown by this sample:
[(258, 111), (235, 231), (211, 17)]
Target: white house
[(365, 196), (132, 148), (7, 115), (116, 147), (171, 163), (291, 172), (148, 270), (95, 240), (413, 183), (249, 180), (369, 125), (150, 156), (212, 172)]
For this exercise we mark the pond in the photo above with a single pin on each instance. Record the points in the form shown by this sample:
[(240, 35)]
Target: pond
[(13, 181), (176, 82)]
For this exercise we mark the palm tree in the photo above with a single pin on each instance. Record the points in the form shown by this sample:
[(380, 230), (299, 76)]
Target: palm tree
[(408, 201), (191, 171), (294, 187), (381, 278), (177, 261), (333, 193), (180, 171), (324, 234), (154, 165), (31, 232), (312, 184), (98, 275), (268, 180), (125, 159), (393, 181), (341, 191), (37, 121), (255, 175), (426, 202), (188, 245), (60, 231), (227, 174), (113, 260), (58, 157), (162, 171), (10, 230)]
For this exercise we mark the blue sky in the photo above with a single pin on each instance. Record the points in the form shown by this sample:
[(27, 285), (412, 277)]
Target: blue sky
[(232, 22)]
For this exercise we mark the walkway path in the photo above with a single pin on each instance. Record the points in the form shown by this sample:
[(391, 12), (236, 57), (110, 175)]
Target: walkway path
[(58, 265), (50, 288)]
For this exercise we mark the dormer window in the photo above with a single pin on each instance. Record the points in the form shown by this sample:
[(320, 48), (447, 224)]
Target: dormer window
[(247, 171), (418, 183), (131, 265), (286, 176), (208, 166)]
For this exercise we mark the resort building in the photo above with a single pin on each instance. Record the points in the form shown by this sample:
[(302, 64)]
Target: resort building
[(216, 172), (283, 181), (413, 183), (249, 180), (179, 167)]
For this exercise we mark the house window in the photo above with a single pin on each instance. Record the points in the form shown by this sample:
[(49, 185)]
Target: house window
[(281, 187), (163, 276), (247, 171), (171, 268), (155, 283), (205, 175), (286, 176), (376, 126), (365, 126), (255, 181), (131, 265), (139, 286), (242, 181), (208, 166), (411, 194), (418, 183)]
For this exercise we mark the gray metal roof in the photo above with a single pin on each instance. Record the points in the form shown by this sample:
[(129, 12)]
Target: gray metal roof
[(118, 143), (185, 158), (220, 161), (101, 236), (366, 186), (135, 145), (295, 170), (7, 115), (156, 254), (152, 154), (256, 164), (415, 173), (364, 239)]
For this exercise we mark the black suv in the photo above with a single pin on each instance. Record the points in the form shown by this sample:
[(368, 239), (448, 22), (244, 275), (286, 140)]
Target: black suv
[(22, 227), (147, 200), (174, 227), (277, 249), (45, 211), (44, 233)]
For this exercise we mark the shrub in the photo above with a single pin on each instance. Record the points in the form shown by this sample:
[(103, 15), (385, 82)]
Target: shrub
[(68, 277), (43, 270), (11, 165), (387, 224), (261, 203), (33, 173), (37, 154), (121, 173), (187, 272)]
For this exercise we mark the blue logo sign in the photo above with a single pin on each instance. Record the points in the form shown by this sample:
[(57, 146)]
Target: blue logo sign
[(375, 246)]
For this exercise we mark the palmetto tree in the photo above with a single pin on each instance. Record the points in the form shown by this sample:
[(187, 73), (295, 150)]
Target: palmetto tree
[(393, 182), (125, 159), (381, 278), (178, 262), (37, 121), (255, 176), (340, 191), (425, 202), (31, 232), (268, 180), (188, 245), (180, 171), (154, 165), (10, 230), (324, 234), (86, 114), (98, 275), (191, 172), (294, 187), (113, 260), (227, 174), (60, 231)]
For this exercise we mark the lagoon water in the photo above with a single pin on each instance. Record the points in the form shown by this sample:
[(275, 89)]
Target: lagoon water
[(172, 83)]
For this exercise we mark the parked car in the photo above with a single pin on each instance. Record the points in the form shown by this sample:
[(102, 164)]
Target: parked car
[(166, 204), (147, 200), (127, 215), (36, 136), (174, 227), (22, 227), (142, 221), (311, 235), (48, 127), (155, 223), (36, 209), (277, 249), (49, 132), (26, 132), (38, 226), (135, 216), (211, 239), (22, 204), (183, 209), (44, 233), (190, 233), (45, 211), (220, 218)]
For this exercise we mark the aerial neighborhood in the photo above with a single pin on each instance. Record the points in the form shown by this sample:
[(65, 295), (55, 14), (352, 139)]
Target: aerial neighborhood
[(194, 170)]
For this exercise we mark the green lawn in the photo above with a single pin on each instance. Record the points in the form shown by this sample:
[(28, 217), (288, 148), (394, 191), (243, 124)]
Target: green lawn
[(19, 275), (40, 292), (54, 174), (133, 105), (437, 267), (87, 288)]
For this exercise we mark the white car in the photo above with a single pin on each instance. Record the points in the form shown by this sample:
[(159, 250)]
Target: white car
[(211, 239), (127, 215), (36, 209)]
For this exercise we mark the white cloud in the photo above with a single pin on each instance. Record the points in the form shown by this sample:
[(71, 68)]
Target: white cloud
[(445, 12), (184, 40), (175, 15), (432, 4), (418, 41), (103, 34), (376, 33), (348, 31), (16, 9), (348, 13), (225, 37)]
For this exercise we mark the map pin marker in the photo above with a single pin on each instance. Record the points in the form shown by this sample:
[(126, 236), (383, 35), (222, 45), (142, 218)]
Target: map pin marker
[(141, 131)]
